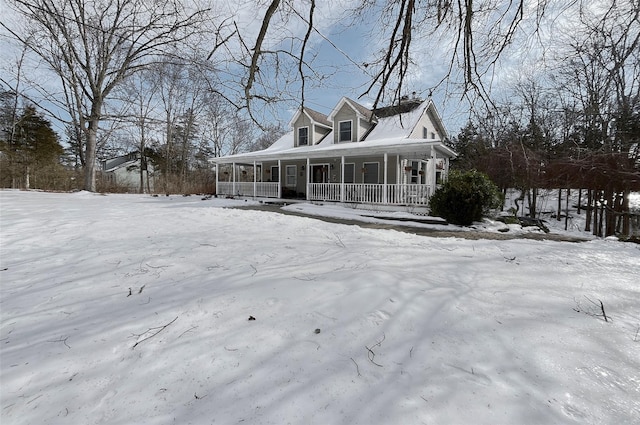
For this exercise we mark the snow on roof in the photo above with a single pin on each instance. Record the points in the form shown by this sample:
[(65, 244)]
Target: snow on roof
[(391, 130), (283, 143), (399, 125), (122, 165), (380, 146)]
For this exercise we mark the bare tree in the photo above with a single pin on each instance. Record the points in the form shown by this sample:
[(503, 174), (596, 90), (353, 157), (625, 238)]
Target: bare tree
[(401, 25), (140, 93), (10, 100), (95, 45)]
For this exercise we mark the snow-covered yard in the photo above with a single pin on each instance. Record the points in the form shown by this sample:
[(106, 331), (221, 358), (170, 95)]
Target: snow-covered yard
[(130, 309)]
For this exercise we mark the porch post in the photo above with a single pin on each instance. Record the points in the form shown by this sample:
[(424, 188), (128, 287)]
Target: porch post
[(306, 176), (255, 177), (233, 179), (432, 186), (342, 187), (384, 187), (217, 172), (279, 182)]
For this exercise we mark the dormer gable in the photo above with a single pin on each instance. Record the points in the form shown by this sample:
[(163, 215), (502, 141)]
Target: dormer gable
[(351, 121), (309, 127), (429, 125)]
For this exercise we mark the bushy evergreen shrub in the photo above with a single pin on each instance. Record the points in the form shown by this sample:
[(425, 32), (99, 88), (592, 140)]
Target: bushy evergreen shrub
[(465, 198)]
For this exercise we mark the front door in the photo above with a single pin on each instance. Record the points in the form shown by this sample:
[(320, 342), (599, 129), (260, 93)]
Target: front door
[(319, 174)]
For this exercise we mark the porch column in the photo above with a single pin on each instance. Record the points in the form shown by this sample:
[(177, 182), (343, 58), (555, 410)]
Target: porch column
[(342, 187), (432, 174), (255, 177), (445, 172), (306, 176), (384, 186), (279, 182), (233, 179), (217, 172)]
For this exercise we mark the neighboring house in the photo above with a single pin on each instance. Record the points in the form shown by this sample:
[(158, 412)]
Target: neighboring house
[(123, 172), (391, 156)]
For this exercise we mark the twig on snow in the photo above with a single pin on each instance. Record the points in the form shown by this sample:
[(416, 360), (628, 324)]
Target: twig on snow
[(154, 331), (188, 330), (371, 355), (62, 340), (357, 368), (338, 241), (593, 310)]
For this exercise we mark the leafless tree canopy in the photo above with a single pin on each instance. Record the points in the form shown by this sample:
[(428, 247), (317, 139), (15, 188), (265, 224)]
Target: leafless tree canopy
[(94, 45)]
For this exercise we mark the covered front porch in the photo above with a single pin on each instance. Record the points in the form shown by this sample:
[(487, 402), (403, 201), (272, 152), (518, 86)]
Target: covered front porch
[(402, 179)]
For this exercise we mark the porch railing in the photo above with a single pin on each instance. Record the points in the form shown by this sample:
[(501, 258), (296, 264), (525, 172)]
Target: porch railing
[(396, 194), (262, 189)]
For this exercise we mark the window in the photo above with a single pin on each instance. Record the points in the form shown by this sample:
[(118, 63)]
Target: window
[(303, 136), (290, 175), (426, 134), (414, 172), (345, 131), (275, 174), (349, 173)]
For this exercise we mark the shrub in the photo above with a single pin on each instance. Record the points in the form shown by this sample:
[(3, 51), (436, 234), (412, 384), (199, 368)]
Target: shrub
[(465, 197)]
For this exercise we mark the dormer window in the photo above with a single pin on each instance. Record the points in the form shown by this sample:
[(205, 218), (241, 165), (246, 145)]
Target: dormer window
[(345, 131), (303, 136)]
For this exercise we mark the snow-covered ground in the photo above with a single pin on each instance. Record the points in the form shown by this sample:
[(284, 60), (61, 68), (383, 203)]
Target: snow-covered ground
[(130, 309)]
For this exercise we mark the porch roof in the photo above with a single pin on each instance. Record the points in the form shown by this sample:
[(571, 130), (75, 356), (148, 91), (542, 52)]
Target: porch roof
[(391, 146)]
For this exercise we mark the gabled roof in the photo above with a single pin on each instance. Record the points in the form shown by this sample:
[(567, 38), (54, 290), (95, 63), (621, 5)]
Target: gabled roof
[(391, 133), (436, 119), (315, 117), (402, 124), (360, 110)]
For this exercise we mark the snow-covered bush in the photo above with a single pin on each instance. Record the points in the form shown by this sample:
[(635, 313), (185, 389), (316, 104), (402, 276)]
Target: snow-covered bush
[(465, 197)]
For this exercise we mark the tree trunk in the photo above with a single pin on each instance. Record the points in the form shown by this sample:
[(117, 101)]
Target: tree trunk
[(626, 228), (587, 222), (566, 211), (143, 163), (168, 153), (90, 156), (559, 204), (610, 213), (532, 197), (579, 200), (599, 227)]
